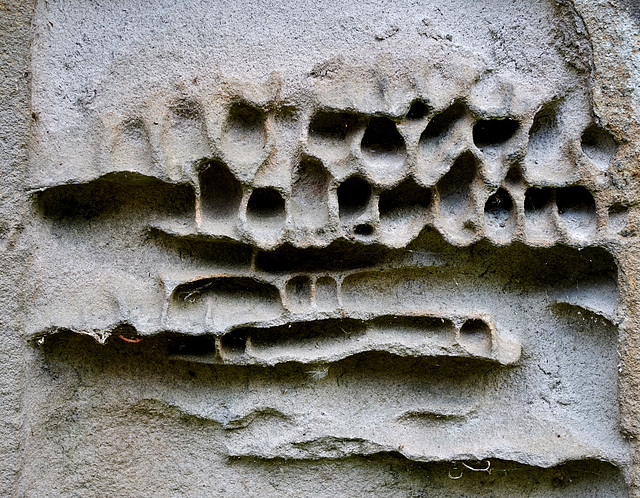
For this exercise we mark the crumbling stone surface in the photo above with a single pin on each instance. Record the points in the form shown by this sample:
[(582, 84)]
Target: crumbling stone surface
[(310, 249)]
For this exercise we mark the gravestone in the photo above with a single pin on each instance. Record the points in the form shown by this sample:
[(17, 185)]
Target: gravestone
[(316, 249)]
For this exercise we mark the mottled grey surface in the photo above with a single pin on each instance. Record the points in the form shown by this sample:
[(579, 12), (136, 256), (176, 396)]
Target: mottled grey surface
[(15, 18), (304, 249)]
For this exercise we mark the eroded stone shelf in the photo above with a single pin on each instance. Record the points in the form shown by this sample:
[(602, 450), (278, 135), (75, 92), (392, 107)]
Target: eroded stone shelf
[(444, 249), (331, 339)]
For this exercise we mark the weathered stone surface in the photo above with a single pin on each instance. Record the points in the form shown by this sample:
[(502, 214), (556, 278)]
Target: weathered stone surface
[(313, 249), (15, 18)]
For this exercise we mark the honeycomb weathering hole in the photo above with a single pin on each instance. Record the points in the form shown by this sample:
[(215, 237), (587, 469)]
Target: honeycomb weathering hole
[(514, 176), (492, 132), (475, 336), (454, 187), (234, 344), (545, 123), (220, 192), (538, 206), (337, 256), (295, 336), (216, 253), (311, 179), (117, 193), (187, 109), (382, 138), (598, 145), (231, 299), (577, 210), (135, 129), (245, 119), (241, 286), (266, 207), (537, 199), (442, 123), (353, 196), (575, 198), (498, 210), (418, 110), (298, 292), (310, 192), (618, 216), (543, 161), (363, 229), (326, 293), (132, 147), (404, 200), (244, 132), (332, 126), (185, 136)]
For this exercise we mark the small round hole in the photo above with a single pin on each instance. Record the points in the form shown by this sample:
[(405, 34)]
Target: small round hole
[(418, 110), (353, 196), (363, 229), (266, 209), (492, 132), (498, 209), (475, 337), (265, 203)]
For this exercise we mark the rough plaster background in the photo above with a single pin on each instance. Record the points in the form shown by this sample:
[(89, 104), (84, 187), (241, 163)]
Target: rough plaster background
[(151, 89), (15, 39)]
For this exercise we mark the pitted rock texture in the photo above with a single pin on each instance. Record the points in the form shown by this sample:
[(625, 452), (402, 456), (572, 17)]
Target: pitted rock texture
[(356, 190), (346, 256)]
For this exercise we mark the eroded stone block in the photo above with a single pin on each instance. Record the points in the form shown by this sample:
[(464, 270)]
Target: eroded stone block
[(287, 258)]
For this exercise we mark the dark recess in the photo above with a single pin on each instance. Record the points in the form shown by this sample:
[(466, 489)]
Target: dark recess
[(187, 109), (598, 143), (114, 193), (201, 249), (441, 123), (234, 343), (332, 125), (492, 132), (202, 345), (455, 186), (403, 199), (382, 137), (339, 255), (575, 199), (544, 127), (246, 118), (353, 196), (310, 181), (499, 205), (538, 198), (418, 110), (220, 191), (514, 176), (475, 328), (265, 203), (363, 229), (242, 286), (299, 333), (298, 290)]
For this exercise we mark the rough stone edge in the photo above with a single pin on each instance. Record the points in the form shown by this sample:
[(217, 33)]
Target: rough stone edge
[(613, 29), (15, 45)]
